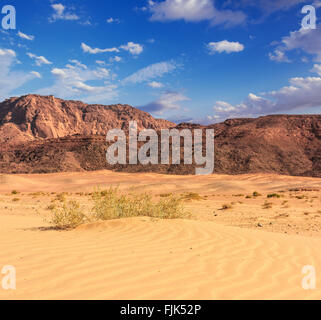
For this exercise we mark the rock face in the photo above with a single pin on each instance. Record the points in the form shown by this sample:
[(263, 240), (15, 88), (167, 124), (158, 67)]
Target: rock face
[(35, 117), (45, 134)]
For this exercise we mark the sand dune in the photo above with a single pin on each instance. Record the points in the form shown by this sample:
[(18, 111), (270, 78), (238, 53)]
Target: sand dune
[(143, 258)]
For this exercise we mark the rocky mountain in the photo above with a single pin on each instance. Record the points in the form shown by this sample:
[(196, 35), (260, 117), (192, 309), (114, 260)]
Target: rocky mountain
[(35, 117), (45, 134)]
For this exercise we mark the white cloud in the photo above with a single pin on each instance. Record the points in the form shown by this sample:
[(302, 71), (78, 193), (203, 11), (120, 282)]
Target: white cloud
[(112, 20), (115, 59), (61, 14), (194, 11), (304, 40), (151, 72), (25, 36), (155, 85), (72, 81), (36, 74), (39, 60), (278, 56), (168, 101), (225, 46), (88, 49), (299, 94), (11, 80), (133, 48)]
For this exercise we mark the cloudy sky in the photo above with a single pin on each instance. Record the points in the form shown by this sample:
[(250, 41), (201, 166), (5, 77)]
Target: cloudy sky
[(183, 60)]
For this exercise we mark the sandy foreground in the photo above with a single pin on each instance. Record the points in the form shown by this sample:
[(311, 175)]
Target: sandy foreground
[(245, 252)]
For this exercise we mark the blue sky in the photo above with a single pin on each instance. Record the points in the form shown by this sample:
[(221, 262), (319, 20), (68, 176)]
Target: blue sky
[(183, 60)]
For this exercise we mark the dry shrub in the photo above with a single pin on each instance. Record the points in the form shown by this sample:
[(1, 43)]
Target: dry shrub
[(112, 204), (67, 215)]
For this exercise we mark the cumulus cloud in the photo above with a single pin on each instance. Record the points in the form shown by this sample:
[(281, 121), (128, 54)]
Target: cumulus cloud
[(39, 60), (72, 81), (151, 72), (299, 94), (133, 48), (168, 101), (194, 11), (225, 46), (304, 40), (25, 36), (11, 80), (278, 56), (60, 13)]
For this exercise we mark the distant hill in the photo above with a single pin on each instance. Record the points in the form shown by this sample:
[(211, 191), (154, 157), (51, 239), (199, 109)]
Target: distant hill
[(44, 134)]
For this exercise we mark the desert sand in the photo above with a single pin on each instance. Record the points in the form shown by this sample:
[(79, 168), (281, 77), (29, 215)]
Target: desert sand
[(247, 251)]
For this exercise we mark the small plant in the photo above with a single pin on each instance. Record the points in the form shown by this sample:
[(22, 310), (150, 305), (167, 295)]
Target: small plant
[(15, 192), (15, 199), (51, 207), (67, 215), (165, 195), (256, 194), (192, 196), (301, 197), (248, 197), (226, 206), (61, 197), (273, 195)]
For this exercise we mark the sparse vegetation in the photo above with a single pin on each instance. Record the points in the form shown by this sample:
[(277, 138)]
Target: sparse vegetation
[(165, 195), (226, 206), (256, 194), (114, 205), (61, 197), (67, 215), (15, 199), (273, 195), (192, 196), (14, 192)]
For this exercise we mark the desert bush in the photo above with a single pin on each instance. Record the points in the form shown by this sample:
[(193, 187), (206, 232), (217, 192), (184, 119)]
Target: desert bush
[(256, 194), (226, 206), (14, 192), (192, 196), (67, 215), (273, 195), (15, 199), (112, 204), (165, 195), (61, 197)]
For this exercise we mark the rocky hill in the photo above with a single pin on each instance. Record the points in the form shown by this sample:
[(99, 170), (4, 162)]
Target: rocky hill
[(45, 134), (35, 117)]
